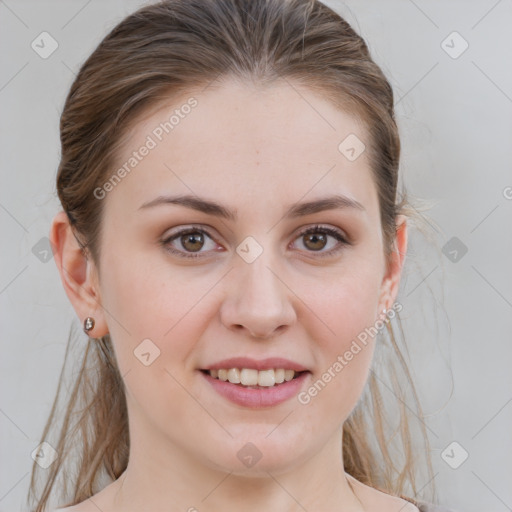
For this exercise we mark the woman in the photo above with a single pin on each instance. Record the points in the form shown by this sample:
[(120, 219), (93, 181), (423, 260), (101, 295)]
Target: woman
[(232, 241)]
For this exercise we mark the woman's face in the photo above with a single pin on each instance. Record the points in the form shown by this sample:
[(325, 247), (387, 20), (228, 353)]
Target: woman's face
[(245, 282)]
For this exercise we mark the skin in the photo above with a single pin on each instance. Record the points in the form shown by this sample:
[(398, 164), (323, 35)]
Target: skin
[(257, 151)]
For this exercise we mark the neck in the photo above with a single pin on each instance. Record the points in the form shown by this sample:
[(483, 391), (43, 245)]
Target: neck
[(152, 482)]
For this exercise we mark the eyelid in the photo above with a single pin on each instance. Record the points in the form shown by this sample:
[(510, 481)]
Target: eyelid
[(333, 231), (172, 232)]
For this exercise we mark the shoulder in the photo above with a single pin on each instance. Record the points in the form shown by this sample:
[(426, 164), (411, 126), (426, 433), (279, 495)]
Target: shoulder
[(85, 506), (425, 506), (96, 503), (396, 504), (375, 499)]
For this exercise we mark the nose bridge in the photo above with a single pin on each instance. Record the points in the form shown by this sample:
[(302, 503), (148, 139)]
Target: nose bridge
[(259, 284), (258, 299)]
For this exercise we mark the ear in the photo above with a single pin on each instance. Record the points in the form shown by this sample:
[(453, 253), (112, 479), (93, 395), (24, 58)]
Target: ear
[(391, 280), (78, 274)]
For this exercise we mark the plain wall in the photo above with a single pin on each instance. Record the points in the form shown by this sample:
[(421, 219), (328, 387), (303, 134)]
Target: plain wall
[(455, 118)]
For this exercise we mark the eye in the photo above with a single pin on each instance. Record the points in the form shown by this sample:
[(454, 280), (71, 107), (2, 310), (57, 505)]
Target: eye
[(315, 239), (190, 242), (187, 243)]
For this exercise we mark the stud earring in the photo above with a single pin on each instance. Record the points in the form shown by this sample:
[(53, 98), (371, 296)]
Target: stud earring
[(88, 324)]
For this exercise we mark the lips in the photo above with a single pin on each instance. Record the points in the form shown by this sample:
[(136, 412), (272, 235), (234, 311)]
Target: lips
[(257, 364), (256, 396), (256, 382)]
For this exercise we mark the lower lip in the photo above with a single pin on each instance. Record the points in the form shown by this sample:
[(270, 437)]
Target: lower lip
[(257, 398)]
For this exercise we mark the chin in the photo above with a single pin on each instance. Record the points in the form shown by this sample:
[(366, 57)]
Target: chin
[(258, 457)]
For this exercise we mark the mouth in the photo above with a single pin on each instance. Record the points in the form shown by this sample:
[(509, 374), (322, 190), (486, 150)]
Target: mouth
[(251, 388), (251, 378)]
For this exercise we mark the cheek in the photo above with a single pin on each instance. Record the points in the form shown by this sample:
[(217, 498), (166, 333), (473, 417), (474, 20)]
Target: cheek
[(148, 316), (146, 300), (343, 327), (345, 304), (147, 297)]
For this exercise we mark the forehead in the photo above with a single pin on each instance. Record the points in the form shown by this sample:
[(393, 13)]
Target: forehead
[(240, 142)]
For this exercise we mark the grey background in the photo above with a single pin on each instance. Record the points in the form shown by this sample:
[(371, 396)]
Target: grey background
[(456, 125)]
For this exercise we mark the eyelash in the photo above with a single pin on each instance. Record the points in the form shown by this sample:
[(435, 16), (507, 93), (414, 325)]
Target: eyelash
[(315, 229)]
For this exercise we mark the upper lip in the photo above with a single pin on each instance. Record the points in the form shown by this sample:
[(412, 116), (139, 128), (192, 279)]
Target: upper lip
[(257, 364)]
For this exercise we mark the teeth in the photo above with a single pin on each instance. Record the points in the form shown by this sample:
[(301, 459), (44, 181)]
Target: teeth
[(248, 377), (266, 378), (288, 375), (252, 377), (234, 375)]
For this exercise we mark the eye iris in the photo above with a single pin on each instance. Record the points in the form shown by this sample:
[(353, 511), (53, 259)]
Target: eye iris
[(315, 237), (195, 238)]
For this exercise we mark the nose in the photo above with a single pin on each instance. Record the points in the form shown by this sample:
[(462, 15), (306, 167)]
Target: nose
[(258, 300)]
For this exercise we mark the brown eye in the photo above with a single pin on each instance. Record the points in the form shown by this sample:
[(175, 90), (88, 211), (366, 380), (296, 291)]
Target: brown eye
[(189, 243), (192, 241), (315, 241)]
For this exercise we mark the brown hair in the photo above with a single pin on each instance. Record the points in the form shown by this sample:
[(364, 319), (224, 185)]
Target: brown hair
[(155, 54)]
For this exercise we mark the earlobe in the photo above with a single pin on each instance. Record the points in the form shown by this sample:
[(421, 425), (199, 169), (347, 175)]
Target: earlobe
[(391, 281), (78, 275)]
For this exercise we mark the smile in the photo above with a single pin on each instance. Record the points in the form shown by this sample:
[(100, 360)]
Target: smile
[(277, 385), (250, 377)]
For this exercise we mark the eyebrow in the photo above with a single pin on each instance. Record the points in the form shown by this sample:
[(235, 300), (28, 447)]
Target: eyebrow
[(333, 202)]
